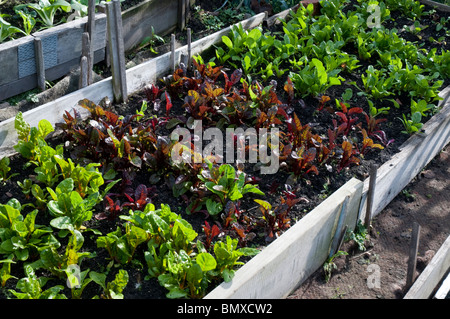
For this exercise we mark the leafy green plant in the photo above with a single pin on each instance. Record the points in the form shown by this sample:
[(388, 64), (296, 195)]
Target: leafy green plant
[(329, 264), (359, 235), (314, 79), (28, 21), (412, 124), (227, 256), (47, 9), (376, 83), (225, 184), (121, 247), (59, 264), (411, 8), (5, 271), (5, 169), (185, 276), (68, 207), (113, 289), (31, 287), (7, 30), (150, 41), (31, 140), (20, 236)]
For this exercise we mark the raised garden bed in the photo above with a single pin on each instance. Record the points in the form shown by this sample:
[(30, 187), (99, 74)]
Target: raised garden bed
[(322, 225), (62, 44)]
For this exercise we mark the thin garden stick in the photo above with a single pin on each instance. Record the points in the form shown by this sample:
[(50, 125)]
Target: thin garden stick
[(172, 50), (189, 45), (412, 261)]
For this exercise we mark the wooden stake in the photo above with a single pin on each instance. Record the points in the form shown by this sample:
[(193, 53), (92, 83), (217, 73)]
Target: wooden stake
[(40, 67), (91, 32), (189, 45), (339, 233), (116, 50), (86, 53), (172, 50), (84, 68), (370, 193), (411, 274)]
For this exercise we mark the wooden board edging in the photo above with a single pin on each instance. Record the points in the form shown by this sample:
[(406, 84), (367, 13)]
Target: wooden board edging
[(288, 261), (439, 6)]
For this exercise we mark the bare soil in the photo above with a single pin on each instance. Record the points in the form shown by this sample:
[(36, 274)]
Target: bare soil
[(426, 200)]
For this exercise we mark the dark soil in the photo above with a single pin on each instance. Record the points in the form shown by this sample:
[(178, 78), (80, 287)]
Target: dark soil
[(313, 190)]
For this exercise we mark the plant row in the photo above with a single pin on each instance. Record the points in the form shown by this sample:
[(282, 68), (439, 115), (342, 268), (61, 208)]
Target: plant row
[(319, 52)]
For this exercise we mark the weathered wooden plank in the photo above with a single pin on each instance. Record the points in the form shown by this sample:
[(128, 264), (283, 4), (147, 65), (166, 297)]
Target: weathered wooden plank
[(138, 21), (428, 280), (415, 154), (284, 264), (444, 289), (67, 58), (29, 82), (9, 59), (437, 5), (18, 86)]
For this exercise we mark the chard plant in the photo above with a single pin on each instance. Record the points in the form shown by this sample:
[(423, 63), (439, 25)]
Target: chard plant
[(20, 236), (69, 209), (314, 79), (7, 31), (47, 9), (224, 184), (32, 287), (113, 289), (5, 169)]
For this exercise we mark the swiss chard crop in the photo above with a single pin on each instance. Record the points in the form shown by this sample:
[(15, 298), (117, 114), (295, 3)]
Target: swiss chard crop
[(224, 184)]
